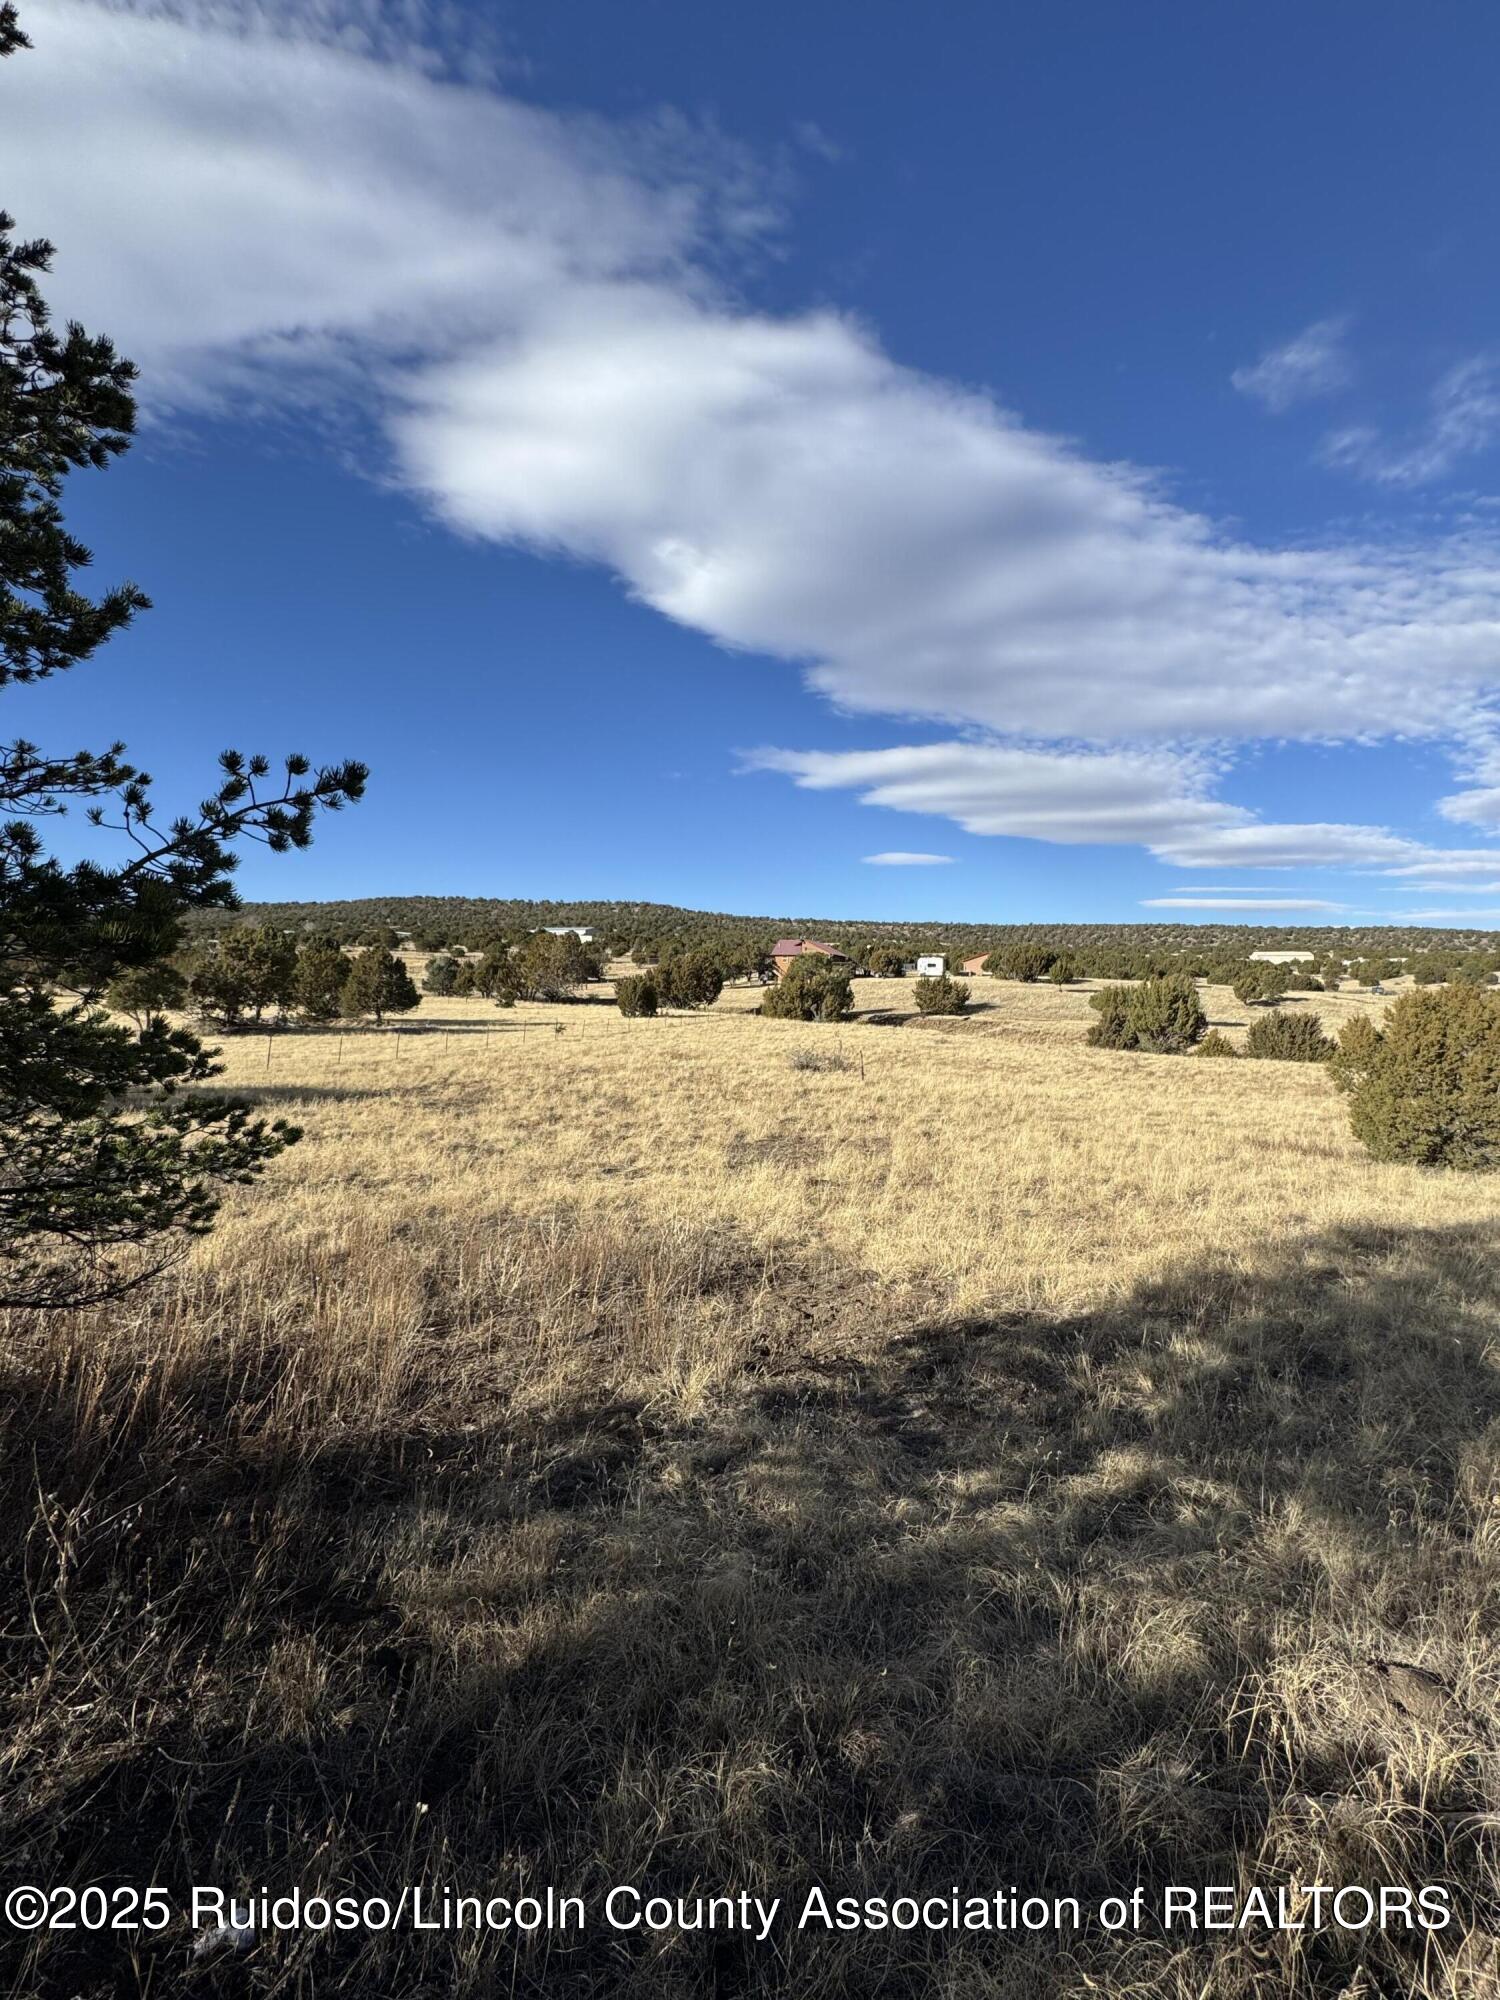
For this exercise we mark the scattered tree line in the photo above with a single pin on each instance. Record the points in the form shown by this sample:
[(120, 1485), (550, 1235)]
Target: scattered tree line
[(650, 932)]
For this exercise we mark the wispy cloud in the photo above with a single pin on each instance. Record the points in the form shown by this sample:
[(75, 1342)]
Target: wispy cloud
[(1457, 889), (1159, 799), (1217, 903), (1463, 421), (1313, 363), (897, 859)]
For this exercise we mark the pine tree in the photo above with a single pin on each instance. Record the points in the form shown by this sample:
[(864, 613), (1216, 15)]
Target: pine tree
[(104, 1166), (378, 983), (250, 969), (318, 980), (146, 992)]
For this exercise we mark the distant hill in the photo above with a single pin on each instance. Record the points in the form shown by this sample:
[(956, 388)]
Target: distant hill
[(471, 920)]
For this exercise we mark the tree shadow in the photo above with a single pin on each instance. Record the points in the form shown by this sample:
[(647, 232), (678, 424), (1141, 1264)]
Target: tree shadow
[(1188, 1589)]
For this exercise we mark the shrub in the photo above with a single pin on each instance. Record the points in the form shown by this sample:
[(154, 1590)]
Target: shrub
[(1165, 1016), (818, 1059), (1161, 1016), (1064, 969), (941, 995), (694, 979), (1375, 971), (1215, 1044), (1476, 969), (1021, 961), (1289, 1038), (886, 962), (811, 990), (1354, 1053), (1261, 983), (379, 984), (1429, 1089), (441, 976), (1112, 1029), (636, 995)]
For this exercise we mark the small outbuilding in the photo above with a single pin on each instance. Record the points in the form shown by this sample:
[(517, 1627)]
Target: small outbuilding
[(931, 966)]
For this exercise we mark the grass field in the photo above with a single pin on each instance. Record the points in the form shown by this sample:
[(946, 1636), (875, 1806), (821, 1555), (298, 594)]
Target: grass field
[(608, 1452)]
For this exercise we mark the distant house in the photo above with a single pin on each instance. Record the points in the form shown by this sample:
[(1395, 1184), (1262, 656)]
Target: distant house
[(583, 932), (1284, 957), (975, 964), (932, 965), (786, 950)]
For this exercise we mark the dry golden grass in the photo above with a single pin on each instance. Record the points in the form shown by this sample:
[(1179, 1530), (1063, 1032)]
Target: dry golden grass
[(617, 1454)]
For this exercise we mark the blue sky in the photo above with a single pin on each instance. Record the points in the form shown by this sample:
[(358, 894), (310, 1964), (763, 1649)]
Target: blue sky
[(688, 452)]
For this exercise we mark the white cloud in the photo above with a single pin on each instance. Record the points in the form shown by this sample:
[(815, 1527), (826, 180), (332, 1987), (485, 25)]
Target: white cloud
[(1159, 799), (1212, 903), (1454, 867), (533, 306), (1314, 363), (1464, 420), (230, 193), (1491, 888), (1070, 797), (897, 859), (1477, 807)]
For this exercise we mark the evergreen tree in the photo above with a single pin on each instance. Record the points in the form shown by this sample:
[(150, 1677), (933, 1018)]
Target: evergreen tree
[(1161, 1016), (378, 983), (441, 976), (252, 968), (636, 995), (691, 979), (941, 995), (553, 968), (104, 1166), (1258, 982), (318, 980), (812, 990), (1289, 1038), (1024, 961), (1426, 1087), (146, 992)]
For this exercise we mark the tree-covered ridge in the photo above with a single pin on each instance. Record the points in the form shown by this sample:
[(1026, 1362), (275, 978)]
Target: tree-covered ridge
[(473, 921)]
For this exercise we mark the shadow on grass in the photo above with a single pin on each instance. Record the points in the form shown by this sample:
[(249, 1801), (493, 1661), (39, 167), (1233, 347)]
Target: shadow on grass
[(1189, 1590)]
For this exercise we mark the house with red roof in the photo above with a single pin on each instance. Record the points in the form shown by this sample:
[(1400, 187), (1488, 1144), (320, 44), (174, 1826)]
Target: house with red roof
[(786, 950)]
